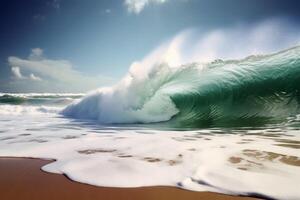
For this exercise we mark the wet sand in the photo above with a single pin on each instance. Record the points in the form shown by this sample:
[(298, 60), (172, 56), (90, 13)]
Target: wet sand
[(22, 179)]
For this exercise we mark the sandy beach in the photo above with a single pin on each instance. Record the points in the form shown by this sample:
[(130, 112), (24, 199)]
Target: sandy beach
[(22, 178)]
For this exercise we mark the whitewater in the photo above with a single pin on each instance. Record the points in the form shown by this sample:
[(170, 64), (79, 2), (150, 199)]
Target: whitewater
[(227, 126)]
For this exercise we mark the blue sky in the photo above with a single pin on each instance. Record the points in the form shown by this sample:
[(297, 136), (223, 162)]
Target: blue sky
[(79, 45)]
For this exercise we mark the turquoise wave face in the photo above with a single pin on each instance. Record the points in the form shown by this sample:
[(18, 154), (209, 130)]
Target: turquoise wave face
[(8, 99), (254, 91)]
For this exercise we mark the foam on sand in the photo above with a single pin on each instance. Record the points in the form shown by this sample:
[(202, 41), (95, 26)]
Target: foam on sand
[(257, 162)]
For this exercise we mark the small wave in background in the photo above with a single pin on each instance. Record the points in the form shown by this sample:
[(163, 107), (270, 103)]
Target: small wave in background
[(35, 103)]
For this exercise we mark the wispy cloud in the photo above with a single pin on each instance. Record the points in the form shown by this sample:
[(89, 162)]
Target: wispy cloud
[(16, 72), (55, 4), (53, 74), (39, 17), (19, 76), (136, 6), (34, 77), (36, 53)]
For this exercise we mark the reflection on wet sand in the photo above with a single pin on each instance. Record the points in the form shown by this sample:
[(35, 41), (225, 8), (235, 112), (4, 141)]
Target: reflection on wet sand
[(251, 159)]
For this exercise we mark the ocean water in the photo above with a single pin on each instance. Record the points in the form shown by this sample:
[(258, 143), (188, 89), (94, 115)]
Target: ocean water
[(231, 127)]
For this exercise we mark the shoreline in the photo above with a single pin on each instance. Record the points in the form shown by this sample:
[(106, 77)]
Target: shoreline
[(22, 178)]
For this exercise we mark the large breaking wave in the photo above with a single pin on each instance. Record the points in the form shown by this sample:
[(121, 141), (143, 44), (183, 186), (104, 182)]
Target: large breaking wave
[(252, 91)]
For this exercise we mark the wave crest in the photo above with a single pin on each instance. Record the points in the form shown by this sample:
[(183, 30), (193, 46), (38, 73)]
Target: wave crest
[(251, 91)]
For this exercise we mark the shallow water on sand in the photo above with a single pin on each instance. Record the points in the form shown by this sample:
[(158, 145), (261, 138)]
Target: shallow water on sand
[(262, 162)]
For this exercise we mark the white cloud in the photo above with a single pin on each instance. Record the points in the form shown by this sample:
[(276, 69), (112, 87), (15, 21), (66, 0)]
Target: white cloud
[(136, 6), (35, 78), (36, 53), (56, 74), (19, 76), (55, 4), (16, 72), (108, 11)]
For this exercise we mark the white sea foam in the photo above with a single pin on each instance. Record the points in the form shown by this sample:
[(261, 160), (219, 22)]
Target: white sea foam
[(131, 101), (236, 161)]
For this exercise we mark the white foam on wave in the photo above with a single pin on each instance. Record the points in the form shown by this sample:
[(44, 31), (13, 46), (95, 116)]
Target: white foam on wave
[(137, 98), (203, 160)]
